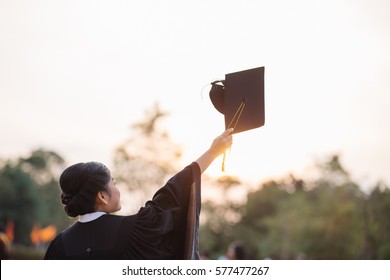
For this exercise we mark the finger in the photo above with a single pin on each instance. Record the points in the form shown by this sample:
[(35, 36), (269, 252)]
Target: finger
[(228, 140), (228, 131)]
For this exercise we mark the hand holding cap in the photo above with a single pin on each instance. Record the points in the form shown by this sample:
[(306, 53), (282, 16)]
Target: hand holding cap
[(222, 142)]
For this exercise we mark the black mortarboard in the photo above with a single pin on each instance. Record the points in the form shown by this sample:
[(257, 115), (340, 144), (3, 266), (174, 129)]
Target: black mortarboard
[(240, 97)]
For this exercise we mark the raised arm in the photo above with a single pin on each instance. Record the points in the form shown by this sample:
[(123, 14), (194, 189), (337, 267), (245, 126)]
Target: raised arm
[(218, 147)]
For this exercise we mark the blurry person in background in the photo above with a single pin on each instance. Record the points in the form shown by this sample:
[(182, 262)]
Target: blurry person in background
[(236, 251)]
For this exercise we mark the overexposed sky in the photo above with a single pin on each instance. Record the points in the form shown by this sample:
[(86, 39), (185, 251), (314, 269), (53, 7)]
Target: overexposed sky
[(75, 74)]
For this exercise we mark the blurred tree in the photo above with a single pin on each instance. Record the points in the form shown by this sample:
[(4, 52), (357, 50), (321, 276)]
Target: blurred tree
[(291, 218), (227, 182), (378, 223), (340, 206), (45, 167), (144, 160), (18, 201), (331, 172), (219, 215), (253, 228), (332, 225), (29, 193), (215, 231)]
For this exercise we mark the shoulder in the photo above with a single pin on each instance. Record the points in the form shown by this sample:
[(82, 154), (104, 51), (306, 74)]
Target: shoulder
[(114, 223), (55, 249)]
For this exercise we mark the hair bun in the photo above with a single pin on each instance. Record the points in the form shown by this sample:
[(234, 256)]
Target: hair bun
[(66, 198), (80, 184)]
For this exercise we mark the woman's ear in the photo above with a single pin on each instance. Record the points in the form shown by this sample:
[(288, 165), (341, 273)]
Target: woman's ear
[(101, 198)]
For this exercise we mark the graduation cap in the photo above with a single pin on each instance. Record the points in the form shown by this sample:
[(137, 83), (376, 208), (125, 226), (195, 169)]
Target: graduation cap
[(240, 98)]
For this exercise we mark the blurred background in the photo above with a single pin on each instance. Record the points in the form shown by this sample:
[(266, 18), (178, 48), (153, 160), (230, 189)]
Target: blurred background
[(126, 83)]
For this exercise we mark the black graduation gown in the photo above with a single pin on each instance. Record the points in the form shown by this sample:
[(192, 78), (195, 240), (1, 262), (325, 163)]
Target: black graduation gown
[(165, 228)]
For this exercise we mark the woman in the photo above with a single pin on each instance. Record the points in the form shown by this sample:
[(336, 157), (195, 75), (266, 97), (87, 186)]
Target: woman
[(163, 229)]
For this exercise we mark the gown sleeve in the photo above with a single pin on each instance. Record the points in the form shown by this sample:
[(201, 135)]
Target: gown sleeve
[(55, 250), (166, 227)]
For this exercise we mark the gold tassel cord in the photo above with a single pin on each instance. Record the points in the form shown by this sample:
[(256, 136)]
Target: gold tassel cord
[(239, 111)]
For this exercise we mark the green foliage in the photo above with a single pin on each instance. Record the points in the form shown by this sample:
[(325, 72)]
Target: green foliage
[(29, 194), (18, 201), (378, 223), (328, 218)]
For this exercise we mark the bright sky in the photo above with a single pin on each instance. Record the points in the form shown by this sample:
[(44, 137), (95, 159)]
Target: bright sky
[(75, 74)]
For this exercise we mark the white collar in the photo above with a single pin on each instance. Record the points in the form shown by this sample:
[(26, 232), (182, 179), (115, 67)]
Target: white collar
[(90, 217)]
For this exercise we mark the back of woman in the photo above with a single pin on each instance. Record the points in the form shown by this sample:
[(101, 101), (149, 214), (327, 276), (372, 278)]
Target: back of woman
[(166, 228)]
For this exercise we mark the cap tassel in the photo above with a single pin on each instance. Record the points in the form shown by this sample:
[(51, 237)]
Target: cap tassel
[(235, 119)]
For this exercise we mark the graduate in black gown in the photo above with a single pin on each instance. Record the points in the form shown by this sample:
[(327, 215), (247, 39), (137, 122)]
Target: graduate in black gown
[(165, 228)]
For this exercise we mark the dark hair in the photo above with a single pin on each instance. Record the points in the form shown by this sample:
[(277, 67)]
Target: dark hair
[(237, 248), (80, 184), (239, 251)]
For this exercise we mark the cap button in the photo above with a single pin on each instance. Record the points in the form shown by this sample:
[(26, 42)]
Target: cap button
[(89, 250)]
